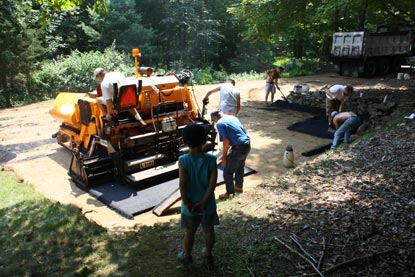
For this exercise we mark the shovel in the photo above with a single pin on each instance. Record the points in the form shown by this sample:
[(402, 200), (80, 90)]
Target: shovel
[(283, 97)]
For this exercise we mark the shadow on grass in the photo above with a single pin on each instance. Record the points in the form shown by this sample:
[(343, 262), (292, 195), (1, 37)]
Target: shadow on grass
[(40, 238)]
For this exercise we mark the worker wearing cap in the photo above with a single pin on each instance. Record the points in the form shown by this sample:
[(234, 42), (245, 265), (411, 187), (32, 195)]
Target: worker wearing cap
[(106, 82), (336, 95), (236, 147), (345, 123)]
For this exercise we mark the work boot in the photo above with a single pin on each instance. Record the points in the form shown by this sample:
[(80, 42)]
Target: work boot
[(225, 196), (238, 189)]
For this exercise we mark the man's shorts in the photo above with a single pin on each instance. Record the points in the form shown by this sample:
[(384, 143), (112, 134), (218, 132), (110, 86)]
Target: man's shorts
[(193, 222), (269, 87), (332, 105)]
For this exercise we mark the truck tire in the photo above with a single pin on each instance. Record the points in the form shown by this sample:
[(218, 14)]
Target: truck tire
[(344, 71), (339, 68), (370, 68), (382, 67), (396, 65), (347, 70)]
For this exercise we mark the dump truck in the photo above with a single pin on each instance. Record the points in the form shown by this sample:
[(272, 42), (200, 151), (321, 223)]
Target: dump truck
[(122, 149), (366, 53)]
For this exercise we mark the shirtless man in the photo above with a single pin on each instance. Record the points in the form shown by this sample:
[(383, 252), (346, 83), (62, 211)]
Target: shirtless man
[(345, 123), (272, 82)]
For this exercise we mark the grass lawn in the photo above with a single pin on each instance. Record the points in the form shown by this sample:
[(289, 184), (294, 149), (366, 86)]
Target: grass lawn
[(42, 238)]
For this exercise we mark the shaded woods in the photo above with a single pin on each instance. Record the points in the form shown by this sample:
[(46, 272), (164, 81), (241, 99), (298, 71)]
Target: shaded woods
[(228, 36)]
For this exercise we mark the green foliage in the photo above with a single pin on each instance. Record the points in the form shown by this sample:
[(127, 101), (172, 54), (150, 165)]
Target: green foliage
[(74, 72), (299, 67), (304, 28), (124, 25), (176, 66), (208, 75), (181, 35), (19, 48), (217, 37), (62, 5), (253, 58), (245, 76)]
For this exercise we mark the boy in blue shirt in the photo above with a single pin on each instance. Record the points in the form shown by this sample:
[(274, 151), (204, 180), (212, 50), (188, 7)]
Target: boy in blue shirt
[(197, 181)]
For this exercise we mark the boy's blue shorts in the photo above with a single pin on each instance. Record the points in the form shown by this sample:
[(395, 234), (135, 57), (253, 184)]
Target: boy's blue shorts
[(193, 222)]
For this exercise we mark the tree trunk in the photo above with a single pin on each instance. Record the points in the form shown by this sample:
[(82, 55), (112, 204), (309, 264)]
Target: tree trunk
[(5, 92), (362, 14), (298, 49)]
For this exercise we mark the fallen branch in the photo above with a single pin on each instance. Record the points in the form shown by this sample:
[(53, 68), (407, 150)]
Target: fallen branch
[(259, 206), (320, 261), (300, 255), (353, 261), (90, 211), (396, 195), (359, 259), (294, 239)]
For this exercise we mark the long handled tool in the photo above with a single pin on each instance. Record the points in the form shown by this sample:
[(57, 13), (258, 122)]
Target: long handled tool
[(283, 96)]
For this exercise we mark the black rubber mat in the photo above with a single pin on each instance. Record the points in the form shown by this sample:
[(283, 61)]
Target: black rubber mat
[(314, 126), (128, 201), (317, 150)]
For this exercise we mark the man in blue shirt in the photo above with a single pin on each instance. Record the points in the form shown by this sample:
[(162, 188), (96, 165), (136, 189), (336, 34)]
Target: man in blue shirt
[(236, 147)]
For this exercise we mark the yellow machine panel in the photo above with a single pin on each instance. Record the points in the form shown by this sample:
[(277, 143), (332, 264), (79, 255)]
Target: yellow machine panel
[(118, 148)]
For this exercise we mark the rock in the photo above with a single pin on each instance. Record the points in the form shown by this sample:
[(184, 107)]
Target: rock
[(362, 128)]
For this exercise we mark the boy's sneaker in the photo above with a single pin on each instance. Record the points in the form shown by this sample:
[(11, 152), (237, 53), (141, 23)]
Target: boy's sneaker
[(183, 259), (207, 259)]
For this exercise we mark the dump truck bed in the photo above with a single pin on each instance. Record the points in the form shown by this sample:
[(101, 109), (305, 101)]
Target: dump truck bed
[(358, 44)]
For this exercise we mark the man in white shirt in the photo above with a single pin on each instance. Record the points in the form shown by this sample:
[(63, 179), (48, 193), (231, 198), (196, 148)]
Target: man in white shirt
[(336, 95), (106, 81), (230, 98)]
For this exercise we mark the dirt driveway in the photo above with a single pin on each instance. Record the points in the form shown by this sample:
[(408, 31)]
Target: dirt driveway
[(27, 148)]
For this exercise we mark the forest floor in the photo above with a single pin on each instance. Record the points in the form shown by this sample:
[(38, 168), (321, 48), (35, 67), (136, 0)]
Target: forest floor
[(352, 209)]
